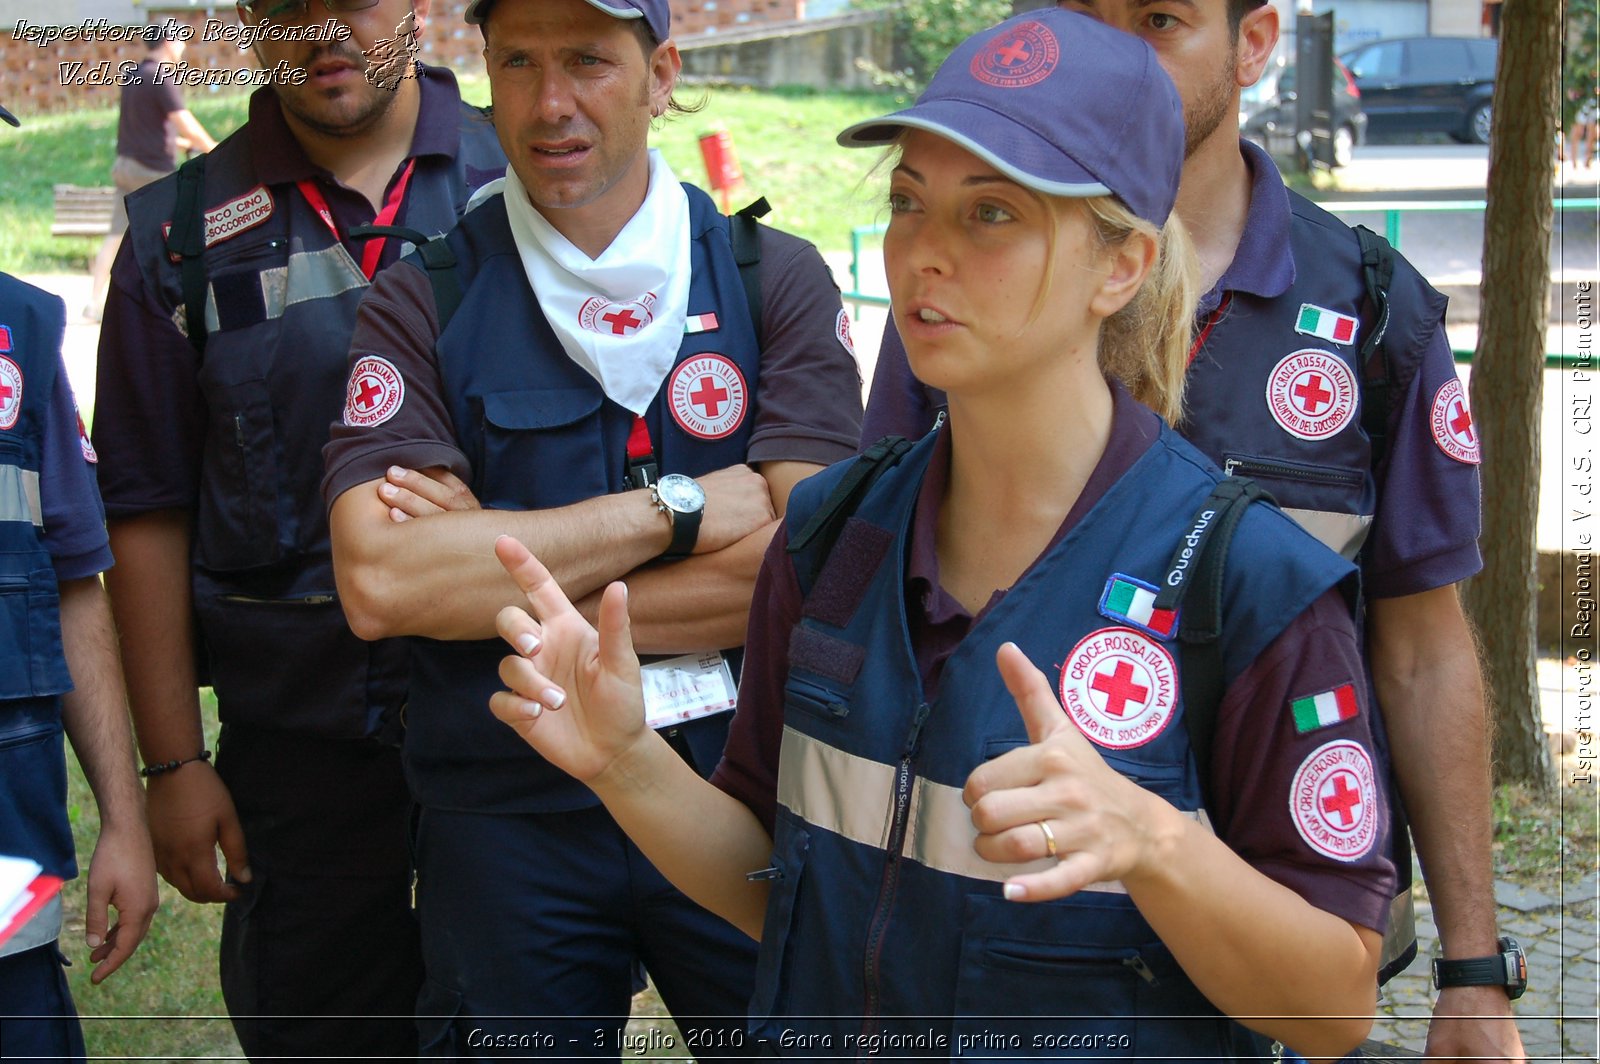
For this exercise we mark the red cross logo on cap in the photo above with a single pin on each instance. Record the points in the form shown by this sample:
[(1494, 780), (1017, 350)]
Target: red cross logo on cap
[(1013, 53), (1119, 689)]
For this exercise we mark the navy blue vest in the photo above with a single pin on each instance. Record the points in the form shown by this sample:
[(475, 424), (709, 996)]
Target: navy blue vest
[(881, 909), (1324, 482), (33, 667), (281, 306), (540, 433)]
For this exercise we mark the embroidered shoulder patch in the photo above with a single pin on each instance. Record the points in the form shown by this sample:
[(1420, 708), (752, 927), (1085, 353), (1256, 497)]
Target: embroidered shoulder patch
[(89, 453), (237, 215), (1133, 602), (1325, 324), (374, 393), (708, 396), (1324, 708), (1312, 394), (1452, 425), (841, 329), (10, 392), (1334, 801), (1119, 687)]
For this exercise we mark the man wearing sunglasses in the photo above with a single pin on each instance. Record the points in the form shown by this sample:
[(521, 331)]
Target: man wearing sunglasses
[(222, 362)]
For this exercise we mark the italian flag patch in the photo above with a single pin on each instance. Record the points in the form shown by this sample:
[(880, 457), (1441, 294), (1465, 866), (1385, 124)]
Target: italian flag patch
[(1319, 711), (1134, 602), (699, 323), (1325, 324)]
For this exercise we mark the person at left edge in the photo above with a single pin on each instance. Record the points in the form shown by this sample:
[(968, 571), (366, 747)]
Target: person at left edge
[(210, 471), (58, 671), (603, 329)]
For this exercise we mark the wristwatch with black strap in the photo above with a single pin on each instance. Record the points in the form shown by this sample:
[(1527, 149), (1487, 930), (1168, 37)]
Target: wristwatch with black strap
[(1507, 969), (684, 503)]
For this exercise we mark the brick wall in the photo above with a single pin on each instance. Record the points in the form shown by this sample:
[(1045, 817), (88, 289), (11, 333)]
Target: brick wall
[(31, 82)]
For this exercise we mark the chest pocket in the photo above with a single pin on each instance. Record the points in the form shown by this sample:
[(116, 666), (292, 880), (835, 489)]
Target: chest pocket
[(541, 448), (237, 525)]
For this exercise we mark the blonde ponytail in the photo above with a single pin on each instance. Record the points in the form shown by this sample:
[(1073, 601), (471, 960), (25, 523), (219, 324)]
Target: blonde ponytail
[(1145, 345)]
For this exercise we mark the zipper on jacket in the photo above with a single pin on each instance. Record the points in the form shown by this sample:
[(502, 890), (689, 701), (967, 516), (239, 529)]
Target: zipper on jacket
[(238, 430), (1136, 962), (300, 600), (904, 777), (1260, 467)]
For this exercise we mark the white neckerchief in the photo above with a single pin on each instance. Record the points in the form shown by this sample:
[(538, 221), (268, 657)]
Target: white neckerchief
[(620, 316)]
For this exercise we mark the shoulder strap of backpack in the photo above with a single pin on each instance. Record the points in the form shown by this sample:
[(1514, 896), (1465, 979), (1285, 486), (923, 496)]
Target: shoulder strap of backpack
[(1377, 376), (828, 520), (1194, 581), (439, 260), (745, 233), (186, 240)]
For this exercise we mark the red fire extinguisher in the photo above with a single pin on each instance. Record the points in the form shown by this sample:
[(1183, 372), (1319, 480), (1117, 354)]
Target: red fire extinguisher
[(722, 166)]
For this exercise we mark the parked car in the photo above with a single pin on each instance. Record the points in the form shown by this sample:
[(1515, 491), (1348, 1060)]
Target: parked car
[(1267, 112), (1427, 84)]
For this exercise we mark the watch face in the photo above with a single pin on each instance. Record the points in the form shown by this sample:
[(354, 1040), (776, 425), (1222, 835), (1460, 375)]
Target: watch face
[(680, 493)]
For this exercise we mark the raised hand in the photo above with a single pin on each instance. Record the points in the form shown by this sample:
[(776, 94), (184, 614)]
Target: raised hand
[(738, 501), (575, 693), (423, 492), (1100, 823)]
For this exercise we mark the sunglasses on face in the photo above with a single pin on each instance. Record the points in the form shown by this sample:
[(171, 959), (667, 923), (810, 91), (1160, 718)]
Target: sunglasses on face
[(282, 11)]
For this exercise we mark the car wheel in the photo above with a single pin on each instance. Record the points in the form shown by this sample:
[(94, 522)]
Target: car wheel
[(1344, 146), (1478, 123)]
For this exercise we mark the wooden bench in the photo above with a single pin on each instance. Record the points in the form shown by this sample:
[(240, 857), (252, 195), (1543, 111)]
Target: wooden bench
[(82, 211)]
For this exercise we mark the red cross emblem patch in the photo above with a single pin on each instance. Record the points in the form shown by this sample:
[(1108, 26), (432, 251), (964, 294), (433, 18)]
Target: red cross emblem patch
[(1334, 801), (708, 396), (374, 393), (841, 329), (616, 319), (10, 391), (1451, 420), (1021, 56), (1312, 394), (1120, 687)]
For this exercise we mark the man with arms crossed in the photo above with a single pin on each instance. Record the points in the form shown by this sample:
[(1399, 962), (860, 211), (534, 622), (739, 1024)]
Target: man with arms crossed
[(1273, 394), (211, 461), (603, 339)]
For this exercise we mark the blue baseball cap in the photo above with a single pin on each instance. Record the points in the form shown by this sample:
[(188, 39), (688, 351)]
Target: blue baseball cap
[(656, 14), (1058, 102)]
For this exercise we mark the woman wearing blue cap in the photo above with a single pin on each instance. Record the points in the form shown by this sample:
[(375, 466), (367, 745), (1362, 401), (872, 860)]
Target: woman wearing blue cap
[(969, 805)]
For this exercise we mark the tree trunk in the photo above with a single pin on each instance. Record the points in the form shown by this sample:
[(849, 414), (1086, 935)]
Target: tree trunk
[(1508, 376)]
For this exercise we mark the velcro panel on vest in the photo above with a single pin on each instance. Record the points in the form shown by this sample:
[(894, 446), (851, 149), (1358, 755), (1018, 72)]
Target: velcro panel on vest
[(843, 582), (825, 655), (239, 300)]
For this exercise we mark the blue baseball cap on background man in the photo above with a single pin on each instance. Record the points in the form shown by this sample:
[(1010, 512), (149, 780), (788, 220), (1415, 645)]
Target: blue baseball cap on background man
[(1058, 102), (656, 14)]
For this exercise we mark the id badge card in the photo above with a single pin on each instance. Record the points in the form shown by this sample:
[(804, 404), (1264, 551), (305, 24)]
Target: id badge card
[(685, 688)]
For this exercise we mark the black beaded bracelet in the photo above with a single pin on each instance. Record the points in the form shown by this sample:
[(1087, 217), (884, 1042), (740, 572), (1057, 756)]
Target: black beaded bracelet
[(161, 767)]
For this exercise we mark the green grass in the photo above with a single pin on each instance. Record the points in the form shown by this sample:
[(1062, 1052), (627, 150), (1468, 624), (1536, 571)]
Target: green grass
[(173, 974), (783, 140)]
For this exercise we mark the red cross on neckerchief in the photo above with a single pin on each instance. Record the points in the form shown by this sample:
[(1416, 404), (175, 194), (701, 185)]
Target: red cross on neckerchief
[(1343, 799), (709, 397), (1119, 688), (1312, 393), (1013, 53), (621, 321), (1461, 423), (368, 395), (373, 252)]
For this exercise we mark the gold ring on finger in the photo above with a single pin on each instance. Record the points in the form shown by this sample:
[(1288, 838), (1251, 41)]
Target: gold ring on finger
[(1049, 837)]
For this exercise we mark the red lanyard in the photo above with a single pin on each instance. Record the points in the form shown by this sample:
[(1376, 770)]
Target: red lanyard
[(642, 468), (391, 207), (1211, 323)]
